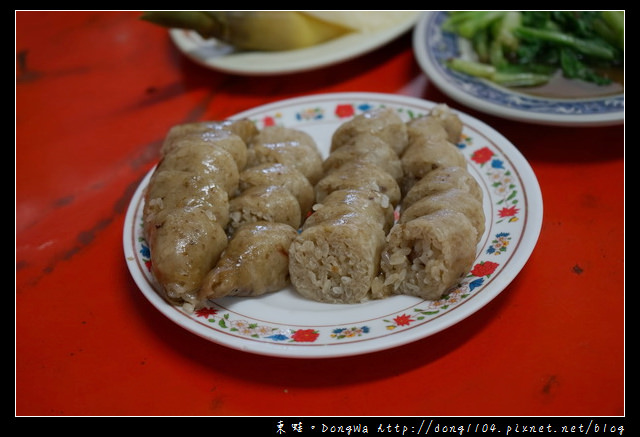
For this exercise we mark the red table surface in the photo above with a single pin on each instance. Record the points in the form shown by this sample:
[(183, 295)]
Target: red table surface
[(95, 94)]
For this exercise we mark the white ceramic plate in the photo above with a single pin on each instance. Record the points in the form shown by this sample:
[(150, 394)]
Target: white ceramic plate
[(432, 47), (222, 57), (285, 324)]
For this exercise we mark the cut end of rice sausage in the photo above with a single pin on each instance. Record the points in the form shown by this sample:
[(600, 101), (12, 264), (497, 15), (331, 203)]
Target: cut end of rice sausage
[(428, 255), (335, 261)]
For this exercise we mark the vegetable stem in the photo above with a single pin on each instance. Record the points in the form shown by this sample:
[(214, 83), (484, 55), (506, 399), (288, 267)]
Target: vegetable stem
[(525, 48), (587, 47), (489, 72)]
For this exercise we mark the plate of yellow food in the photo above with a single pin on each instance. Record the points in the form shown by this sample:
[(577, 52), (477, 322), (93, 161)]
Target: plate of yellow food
[(279, 42), (563, 68), (331, 225)]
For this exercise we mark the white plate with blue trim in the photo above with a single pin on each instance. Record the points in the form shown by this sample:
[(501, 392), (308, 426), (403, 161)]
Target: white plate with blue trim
[(433, 46)]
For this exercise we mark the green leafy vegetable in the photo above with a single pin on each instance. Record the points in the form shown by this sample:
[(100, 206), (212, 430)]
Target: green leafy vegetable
[(525, 48)]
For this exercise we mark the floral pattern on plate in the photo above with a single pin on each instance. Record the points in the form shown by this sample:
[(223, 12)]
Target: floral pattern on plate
[(261, 325), (433, 47)]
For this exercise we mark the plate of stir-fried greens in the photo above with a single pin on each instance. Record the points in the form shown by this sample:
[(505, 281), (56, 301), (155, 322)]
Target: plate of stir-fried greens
[(547, 67)]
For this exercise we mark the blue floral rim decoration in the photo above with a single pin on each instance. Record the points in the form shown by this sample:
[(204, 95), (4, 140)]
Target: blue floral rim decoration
[(444, 45)]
